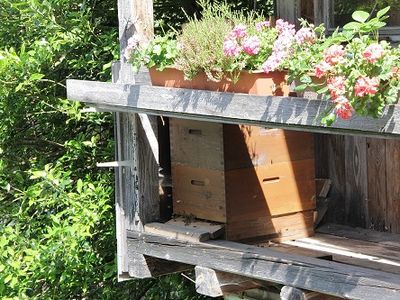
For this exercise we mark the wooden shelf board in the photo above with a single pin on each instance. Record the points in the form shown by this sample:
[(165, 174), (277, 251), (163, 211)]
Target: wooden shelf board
[(268, 111)]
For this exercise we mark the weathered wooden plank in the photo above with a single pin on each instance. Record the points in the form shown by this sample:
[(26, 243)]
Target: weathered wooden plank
[(214, 230), (187, 232), (265, 264), (291, 293), (355, 252), (393, 185), (383, 238), (288, 10), (267, 111), (356, 195), (215, 284), (377, 205), (335, 151)]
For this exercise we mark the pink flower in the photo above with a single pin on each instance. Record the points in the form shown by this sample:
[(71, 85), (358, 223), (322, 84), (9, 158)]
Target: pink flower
[(132, 45), (251, 45), (280, 50), (261, 25), (239, 31), (366, 86), (343, 108), (373, 52), (231, 48), (282, 26), (322, 69), (336, 86), (334, 54), (305, 35)]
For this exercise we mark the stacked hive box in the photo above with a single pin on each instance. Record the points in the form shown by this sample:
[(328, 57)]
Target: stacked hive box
[(259, 182)]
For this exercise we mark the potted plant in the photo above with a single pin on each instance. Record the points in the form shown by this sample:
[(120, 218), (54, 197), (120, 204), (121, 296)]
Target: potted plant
[(223, 51), (351, 68)]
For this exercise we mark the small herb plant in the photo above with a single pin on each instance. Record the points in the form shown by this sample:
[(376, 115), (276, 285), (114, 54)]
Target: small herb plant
[(355, 71)]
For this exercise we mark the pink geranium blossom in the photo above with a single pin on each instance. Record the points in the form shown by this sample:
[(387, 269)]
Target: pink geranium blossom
[(261, 25), (343, 108), (366, 86), (322, 69), (336, 86), (251, 45), (305, 35), (282, 26), (239, 31), (373, 52), (231, 48), (281, 48), (334, 54), (132, 45)]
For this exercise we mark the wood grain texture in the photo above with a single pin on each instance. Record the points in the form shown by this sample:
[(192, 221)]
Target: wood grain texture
[(335, 151), (251, 146), (199, 192), (267, 111), (215, 284), (356, 196), (377, 189), (393, 185), (197, 144), (265, 264)]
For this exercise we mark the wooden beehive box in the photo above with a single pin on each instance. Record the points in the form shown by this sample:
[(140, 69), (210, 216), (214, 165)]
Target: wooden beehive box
[(259, 182)]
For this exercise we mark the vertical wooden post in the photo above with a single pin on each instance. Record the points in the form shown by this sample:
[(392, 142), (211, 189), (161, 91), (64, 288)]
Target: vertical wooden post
[(289, 10), (137, 200)]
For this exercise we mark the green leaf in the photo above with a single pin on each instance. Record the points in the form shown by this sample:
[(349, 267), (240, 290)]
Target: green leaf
[(360, 16), (300, 88), (36, 76), (351, 26), (329, 119), (322, 90), (382, 12), (305, 79)]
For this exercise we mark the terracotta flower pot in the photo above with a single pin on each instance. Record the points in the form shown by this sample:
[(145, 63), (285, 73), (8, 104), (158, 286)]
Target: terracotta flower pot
[(257, 83)]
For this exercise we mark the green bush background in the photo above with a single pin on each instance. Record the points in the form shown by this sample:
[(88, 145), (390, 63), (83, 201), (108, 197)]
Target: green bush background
[(57, 226)]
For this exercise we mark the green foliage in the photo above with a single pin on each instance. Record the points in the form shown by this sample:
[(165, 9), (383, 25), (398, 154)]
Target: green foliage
[(57, 236), (160, 53), (173, 13)]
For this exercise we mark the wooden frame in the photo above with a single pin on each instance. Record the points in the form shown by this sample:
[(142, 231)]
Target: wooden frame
[(142, 254)]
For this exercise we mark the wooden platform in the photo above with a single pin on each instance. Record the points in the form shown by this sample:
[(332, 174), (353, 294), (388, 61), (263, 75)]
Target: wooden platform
[(356, 265), (353, 246)]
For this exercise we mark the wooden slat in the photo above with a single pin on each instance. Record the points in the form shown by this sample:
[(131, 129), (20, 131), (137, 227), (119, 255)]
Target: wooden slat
[(356, 196), (377, 205), (268, 111), (187, 232), (265, 264), (215, 284), (383, 238), (393, 185)]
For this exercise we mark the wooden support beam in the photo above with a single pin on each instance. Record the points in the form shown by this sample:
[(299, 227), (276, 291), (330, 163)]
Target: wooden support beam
[(291, 293), (137, 178), (216, 284), (268, 265), (268, 111)]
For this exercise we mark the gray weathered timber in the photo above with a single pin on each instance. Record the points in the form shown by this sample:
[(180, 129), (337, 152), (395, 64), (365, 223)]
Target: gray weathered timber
[(215, 284), (280, 112), (288, 10), (137, 185), (264, 264)]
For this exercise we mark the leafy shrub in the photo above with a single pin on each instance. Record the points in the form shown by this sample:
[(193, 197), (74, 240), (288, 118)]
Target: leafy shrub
[(57, 236)]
